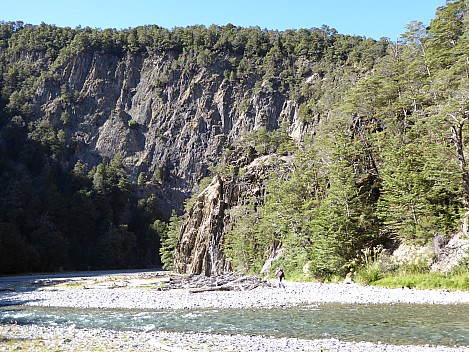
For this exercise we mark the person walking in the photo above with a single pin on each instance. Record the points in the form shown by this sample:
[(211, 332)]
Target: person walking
[(280, 275)]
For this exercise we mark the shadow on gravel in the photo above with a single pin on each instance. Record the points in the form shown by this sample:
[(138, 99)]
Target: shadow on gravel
[(12, 302), (9, 294), (12, 286)]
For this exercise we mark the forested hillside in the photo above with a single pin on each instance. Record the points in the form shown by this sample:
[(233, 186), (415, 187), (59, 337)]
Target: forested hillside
[(104, 133), (383, 163)]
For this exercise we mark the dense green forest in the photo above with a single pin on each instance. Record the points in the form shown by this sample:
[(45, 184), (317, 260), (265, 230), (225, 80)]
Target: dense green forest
[(386, 161)]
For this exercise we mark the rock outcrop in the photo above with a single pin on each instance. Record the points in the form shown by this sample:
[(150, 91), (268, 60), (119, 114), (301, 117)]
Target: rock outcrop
[(199, 249), (443, 255), (450, 253), (170, 115), (200, 246)]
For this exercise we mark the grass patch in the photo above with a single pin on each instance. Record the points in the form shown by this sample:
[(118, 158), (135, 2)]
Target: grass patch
[(73, 285), (450, 282), (416, 274)]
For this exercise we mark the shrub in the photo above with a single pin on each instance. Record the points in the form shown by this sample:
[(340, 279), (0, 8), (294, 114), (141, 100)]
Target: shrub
[(369, 273), (132, 123)]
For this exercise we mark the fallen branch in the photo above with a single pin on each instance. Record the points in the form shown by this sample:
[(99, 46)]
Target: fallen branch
[(207, 289)]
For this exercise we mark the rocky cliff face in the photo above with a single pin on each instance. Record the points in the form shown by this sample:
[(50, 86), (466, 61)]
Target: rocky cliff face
[(168, 116)]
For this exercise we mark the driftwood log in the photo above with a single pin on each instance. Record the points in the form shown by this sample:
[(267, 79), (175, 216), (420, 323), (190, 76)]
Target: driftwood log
[(229, 282)]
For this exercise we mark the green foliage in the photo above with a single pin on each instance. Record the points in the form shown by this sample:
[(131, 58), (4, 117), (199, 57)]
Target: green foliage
[(420, 266), (462, 267), (265, 142), (245, 245), (369, 274), (68, 219), (168, 241), (293, 262), (16, 255), (411, 275), (132, 123), (411, 195), (142, 178), (381, 167), (115, 248)]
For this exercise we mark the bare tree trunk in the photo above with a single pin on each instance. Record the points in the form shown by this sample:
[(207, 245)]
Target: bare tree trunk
[(457, 137)]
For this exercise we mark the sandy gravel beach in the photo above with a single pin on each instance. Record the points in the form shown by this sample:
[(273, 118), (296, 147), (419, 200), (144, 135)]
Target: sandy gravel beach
[(71, 339)]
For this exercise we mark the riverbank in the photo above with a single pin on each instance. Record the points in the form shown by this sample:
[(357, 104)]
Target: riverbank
[(152, 297), (35, 338)]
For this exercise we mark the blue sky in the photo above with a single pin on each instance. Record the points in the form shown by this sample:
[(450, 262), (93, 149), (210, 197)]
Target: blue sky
[(369, 18)]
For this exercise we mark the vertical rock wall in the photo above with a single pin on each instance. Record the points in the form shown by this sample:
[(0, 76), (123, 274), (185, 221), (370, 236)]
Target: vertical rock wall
[(199, 249)]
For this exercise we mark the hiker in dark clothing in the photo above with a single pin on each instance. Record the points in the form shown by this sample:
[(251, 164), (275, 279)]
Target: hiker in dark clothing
[(280, 275)]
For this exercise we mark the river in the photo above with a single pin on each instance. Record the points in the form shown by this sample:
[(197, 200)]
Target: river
[(399, 324)]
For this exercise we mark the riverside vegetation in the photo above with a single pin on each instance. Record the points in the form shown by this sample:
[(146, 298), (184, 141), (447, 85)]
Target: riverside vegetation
[(366, 142)]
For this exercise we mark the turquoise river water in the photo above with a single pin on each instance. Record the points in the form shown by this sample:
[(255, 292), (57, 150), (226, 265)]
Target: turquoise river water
[(445, 325)]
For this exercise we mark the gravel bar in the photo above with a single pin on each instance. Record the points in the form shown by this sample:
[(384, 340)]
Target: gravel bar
[(263, 297)]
